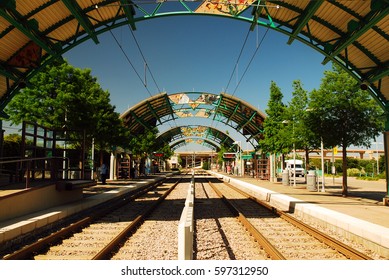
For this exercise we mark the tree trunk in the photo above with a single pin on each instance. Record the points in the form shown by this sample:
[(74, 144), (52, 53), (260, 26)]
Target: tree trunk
[(307, 166), (344, 168)]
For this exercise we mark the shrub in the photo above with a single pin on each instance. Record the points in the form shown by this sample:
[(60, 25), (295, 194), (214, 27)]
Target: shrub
[(355, 172)]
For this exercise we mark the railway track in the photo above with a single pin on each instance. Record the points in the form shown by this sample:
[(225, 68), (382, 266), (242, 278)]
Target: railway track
[(101, 231), (280, 234), (144, 226)]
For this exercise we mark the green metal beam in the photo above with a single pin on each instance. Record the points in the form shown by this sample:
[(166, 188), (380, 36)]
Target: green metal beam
[(380, 74), (169, 106), (371, 19), (234, 112), (256, 13), (129, 11), (248, 121), (216, 113), (6, 72), (153, 112), (28, 28), (311, 9), (139, 120), (77, 12)]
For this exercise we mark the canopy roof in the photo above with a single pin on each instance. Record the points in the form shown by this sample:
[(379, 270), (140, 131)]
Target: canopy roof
[(354, 33), (204, 135)]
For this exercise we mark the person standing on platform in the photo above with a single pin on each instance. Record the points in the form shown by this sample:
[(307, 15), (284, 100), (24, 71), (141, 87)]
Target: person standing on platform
[(103, 173)]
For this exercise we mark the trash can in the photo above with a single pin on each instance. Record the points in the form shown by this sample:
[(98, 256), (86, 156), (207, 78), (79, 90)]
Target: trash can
[(285, 177), (311, 180)]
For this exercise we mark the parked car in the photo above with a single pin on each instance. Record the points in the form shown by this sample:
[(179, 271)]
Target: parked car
[(295, 165)]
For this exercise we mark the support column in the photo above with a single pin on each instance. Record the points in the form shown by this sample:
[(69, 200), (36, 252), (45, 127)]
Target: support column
[(112, 167), (386, 148), (272, 168), (1, 138)]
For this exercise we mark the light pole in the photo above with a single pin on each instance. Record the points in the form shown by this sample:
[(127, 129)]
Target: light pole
[(294, 152), (239, 143), (378, 168), (322, 160), (322, 165), (294, 161)]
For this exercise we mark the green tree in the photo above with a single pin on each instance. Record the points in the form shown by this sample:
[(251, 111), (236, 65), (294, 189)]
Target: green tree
[(296, 112), (275, 132), (62, 96), (220, 153), (143, 145), (165, 149), (343, 115), (12, 145)]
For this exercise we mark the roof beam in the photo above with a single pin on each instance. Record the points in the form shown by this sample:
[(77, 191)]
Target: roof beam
[(371, 19), (234, 112), (129, 11), (380, 74), (248, 121), (139, 120), (256, 12), (311, 9), (153, 112), (4, 71), (216, 112), (169, 105), (77, 12), (30, 28)]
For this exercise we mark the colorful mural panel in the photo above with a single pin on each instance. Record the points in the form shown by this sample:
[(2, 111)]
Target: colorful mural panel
[(224, 7)]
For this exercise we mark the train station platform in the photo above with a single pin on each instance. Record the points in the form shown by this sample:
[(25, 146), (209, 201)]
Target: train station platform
[(362, 216), (18, 227)]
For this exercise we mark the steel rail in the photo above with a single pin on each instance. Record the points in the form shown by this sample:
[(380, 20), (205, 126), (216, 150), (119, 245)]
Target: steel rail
[(326, 239), (55, 237), (123, 235), (262, 240)]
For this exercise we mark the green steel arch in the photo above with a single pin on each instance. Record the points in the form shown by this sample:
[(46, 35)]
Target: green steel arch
[(224, 108), (180, 135), (204, 142), (354, 34)]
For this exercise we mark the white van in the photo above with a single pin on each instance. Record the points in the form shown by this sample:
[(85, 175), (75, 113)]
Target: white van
[(300, 172)]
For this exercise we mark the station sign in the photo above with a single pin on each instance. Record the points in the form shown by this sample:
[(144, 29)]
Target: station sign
[(229, 155), (158, 154)]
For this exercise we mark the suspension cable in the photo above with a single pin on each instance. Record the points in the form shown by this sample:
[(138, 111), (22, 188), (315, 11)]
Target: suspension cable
[(237, 60), (144, 59), (251, 60), (124, 53)]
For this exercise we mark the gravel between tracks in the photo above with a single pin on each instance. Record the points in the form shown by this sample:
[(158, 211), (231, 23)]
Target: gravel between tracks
[(157, 238), (219, 235)]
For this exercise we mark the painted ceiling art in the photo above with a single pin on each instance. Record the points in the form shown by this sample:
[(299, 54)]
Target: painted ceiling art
[(202, 135), (202, 106)]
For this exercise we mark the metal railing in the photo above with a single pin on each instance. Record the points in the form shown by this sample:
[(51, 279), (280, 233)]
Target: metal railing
[(28, 168)]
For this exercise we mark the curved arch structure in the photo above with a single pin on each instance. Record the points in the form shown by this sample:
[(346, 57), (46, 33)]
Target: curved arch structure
[(225, 108), (200, 141), (354, 34), (181, 135)]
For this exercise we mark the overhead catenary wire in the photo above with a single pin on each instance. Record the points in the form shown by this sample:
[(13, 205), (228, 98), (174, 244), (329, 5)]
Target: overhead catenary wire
[(125, 54), (251, 60), (252, 57), (144, 60), (237, 60)]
